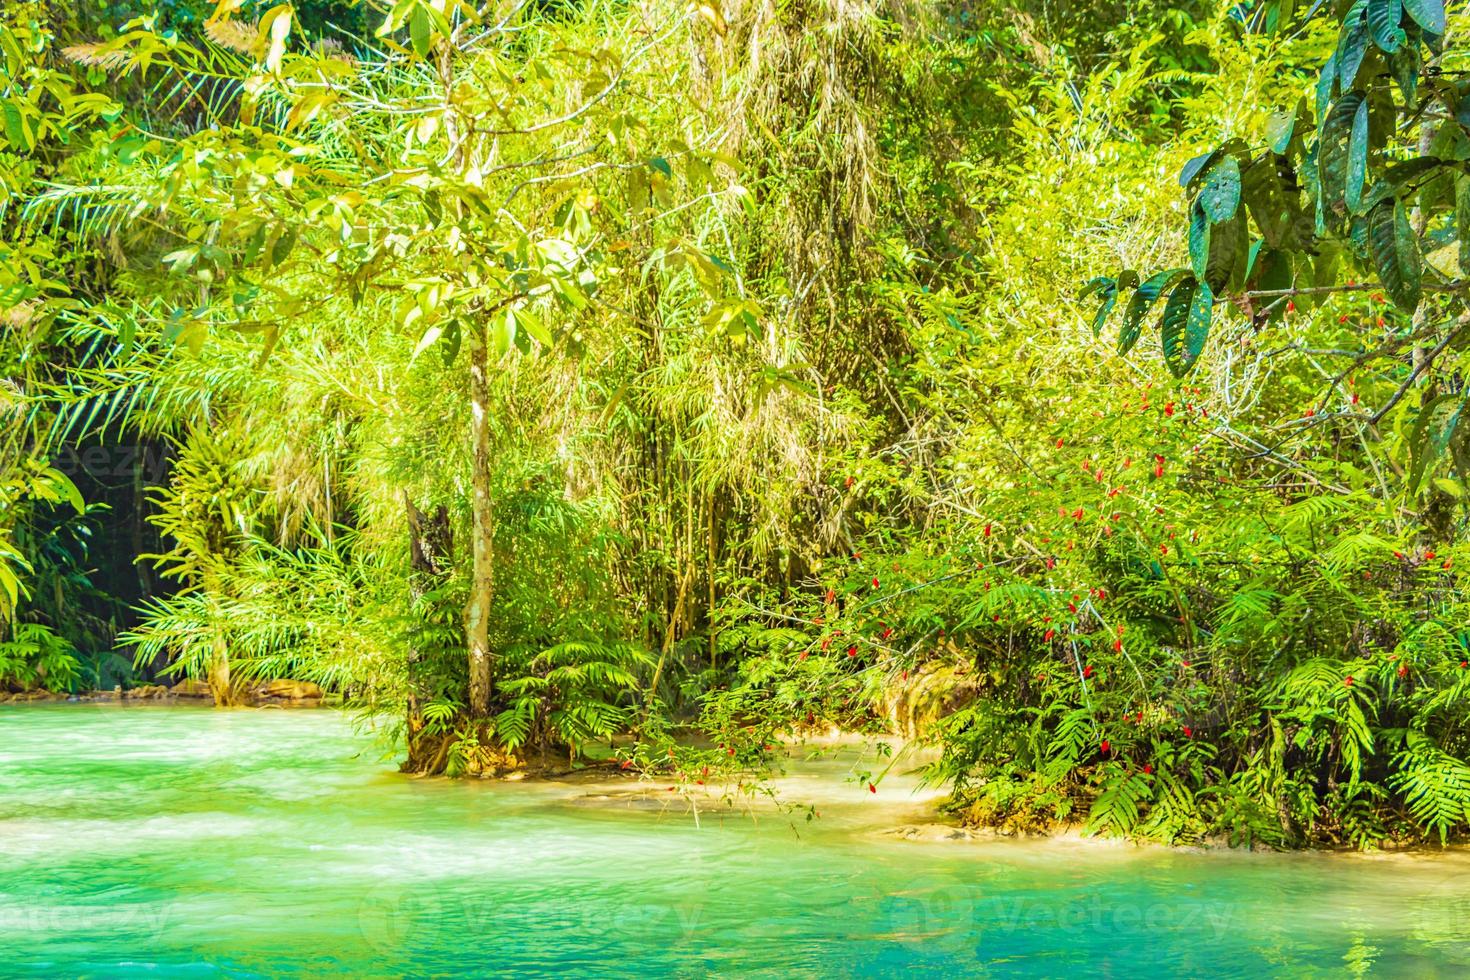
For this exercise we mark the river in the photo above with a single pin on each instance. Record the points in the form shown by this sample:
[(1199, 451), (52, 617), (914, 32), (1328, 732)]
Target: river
[(182, 842)]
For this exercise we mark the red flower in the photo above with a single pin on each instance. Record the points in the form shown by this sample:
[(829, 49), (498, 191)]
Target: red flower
[(1158, 471), (1404, 671), (1046, 637), (1059, 442), (875, 581), (730, 750), (1072, 606), (1347, 681), (1169, 410), (1428, 556), (1118, 646), (848, 482), (852, 651), (1087, 671), (1310, 412), (1355, 398), (987, 530), (1464, 664), (1051, 563), (1105, 746), (1148, 770), (831, 595), (804, 654), (1138, 718), (1290, 306), (1188, 732), (872, 788), (1077, 516)]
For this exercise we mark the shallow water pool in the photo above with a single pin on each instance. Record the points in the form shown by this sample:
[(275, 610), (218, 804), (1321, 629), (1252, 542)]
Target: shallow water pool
[(181, 842)]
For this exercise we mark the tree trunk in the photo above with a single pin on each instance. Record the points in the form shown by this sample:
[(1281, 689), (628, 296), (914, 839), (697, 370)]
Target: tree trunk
[(482, 538), (217, 674), (430, 545)]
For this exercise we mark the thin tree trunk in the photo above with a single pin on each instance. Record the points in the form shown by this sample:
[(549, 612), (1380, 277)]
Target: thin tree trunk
[(430, 545), (482, 538)]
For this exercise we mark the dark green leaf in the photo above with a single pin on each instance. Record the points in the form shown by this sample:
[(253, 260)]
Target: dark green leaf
[(1199, 239), (1357, 159), (1221, 194), (1428, 14), (1139, 304), (1279, 129), (1462, 221), (1333, 160), (1396, 254), (1228, 248), (1326, 84), (1352, 47), (1110, 299), (1185, 325), (1194, 166), (1383, 22), (453, 336), (282, 246)]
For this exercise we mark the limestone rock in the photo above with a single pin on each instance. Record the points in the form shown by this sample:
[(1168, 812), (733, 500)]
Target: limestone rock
[(289, 690)]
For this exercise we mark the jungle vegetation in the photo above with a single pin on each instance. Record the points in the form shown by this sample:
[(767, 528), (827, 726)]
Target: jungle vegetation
[(1073, 387)]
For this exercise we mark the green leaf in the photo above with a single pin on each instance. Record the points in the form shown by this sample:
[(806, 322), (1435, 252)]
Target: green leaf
[(419, 31), (1428, 14), (1272, 271), (1333, 149), (1462, 221), (453, 336), (1199, 240), (1396, 254), (533, 326), (1352, 47), (1357, 159), (1279, 129), (1383, 22), (1139, 304), (1326, 84), (1185, 325), (1227, 255), (430, 337), (1221, 194), (1110, 299), (281, 247)]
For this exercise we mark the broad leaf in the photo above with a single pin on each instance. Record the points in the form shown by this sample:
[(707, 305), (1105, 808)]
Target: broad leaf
[(1221, 194), (1428, 14), (1357, 159), (1139, 304), (1185, 325), (1383, 22), (1396, 254)]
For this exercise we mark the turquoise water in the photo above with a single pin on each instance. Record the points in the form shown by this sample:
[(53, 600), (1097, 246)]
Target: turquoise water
[(179, 842)]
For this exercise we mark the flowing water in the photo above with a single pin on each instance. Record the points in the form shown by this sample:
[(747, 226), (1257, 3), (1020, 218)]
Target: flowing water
[(184, 842)]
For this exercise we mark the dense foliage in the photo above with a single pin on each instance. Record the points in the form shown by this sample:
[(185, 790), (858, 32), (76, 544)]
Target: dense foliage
[(680, 379)]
